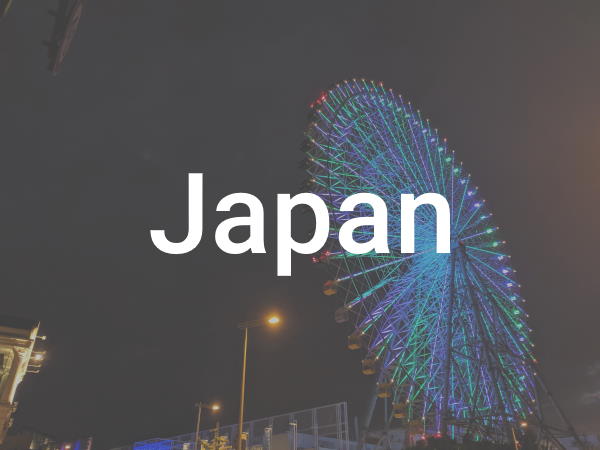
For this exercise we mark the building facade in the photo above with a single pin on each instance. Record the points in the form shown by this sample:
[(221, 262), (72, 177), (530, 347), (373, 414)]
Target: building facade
[(17, 357)]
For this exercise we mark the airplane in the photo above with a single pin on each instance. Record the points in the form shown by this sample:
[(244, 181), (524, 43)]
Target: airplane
[(66, 21)]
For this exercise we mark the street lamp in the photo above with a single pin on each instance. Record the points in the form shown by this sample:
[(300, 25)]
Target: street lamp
[(215, 407), (245, 326)]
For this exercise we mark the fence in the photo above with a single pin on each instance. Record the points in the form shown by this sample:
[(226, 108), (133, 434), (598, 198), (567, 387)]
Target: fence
[(324, 427)]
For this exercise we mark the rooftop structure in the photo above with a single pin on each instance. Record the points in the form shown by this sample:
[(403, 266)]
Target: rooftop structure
[(17, 357)]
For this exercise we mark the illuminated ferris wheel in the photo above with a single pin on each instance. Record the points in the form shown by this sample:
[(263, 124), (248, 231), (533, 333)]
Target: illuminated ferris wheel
[(445, 334)]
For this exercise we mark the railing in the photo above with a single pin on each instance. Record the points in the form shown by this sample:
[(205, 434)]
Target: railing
[(324, 427)]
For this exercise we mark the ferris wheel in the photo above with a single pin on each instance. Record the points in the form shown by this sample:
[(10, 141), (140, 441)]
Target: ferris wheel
[(445, 334)]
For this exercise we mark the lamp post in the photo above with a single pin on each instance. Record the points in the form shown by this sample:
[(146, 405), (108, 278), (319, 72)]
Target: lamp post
[(245, 326), (214, 408)]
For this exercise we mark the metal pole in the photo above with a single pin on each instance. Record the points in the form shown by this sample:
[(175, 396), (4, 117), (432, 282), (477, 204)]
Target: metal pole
[(294, 431), (197, 439), (560, 411), (267, 438), (366, 421), (315, 428), (448, 350), (242, 391), (216, 438)]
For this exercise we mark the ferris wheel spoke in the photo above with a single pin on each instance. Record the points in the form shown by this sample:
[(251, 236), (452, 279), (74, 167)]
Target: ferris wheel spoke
[(392, 154), (507, 316), (399, 148), (498, 255), (382, 309), (422, 164), (364, 271), (507, 357), (495, 271), (504, 291), (417, 328), (464, 182), (370, 164), (405, 144)]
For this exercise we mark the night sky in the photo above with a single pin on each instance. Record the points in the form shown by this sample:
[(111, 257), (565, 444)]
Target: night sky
[(94, 158)]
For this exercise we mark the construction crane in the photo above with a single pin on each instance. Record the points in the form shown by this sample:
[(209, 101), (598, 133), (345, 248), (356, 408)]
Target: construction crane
[(4, 7), (66, 21)]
